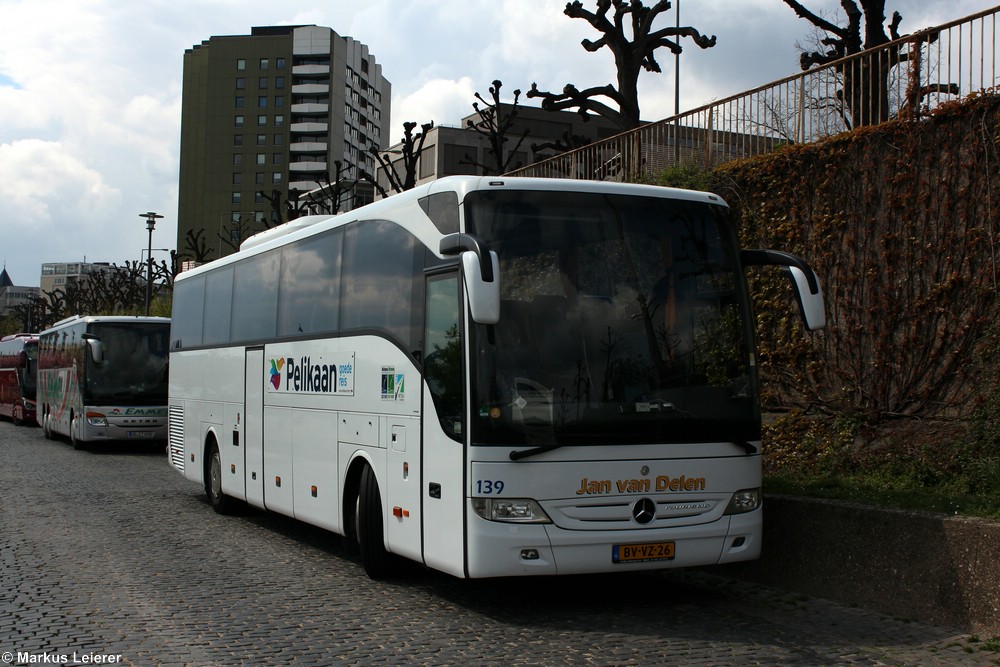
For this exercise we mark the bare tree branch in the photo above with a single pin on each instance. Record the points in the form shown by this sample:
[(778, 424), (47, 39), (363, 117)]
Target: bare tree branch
[(494, 125), (631, 56)]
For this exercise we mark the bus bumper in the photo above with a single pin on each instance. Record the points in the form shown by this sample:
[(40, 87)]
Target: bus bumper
[(127, 433), (506, 549)]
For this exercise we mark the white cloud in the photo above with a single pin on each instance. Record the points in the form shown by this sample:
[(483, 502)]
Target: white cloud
[(440, 100), (41, 182), (58, 205)]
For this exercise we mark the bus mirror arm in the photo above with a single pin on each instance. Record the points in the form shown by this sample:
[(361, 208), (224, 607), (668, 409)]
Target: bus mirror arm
[(481, 268), (808, 292), (453, 244)]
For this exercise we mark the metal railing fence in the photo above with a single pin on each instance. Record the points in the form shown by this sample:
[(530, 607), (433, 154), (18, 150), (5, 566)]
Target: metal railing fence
[(904, 79)]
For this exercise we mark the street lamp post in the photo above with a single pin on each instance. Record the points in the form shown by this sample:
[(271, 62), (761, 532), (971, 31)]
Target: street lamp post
[(150, 224), (677, 89)]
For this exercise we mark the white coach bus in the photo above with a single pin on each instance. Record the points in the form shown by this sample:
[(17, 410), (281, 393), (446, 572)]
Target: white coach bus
[(104, 378), (489, 376)]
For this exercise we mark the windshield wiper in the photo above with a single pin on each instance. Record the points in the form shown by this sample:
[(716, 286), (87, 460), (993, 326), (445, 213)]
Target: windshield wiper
[(525, 453)]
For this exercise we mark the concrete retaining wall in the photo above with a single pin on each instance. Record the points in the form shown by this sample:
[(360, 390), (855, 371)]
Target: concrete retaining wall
[(933, 568)]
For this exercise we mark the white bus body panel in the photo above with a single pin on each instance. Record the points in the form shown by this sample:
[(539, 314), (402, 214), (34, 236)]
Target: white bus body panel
[(287, 449), (252, 474), (445, 510)]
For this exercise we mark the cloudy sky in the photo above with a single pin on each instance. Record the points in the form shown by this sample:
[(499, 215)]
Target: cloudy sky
[(90, 90)]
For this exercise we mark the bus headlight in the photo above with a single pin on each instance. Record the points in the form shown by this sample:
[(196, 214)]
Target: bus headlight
[(510, 510), (96, 419), (745, 500)]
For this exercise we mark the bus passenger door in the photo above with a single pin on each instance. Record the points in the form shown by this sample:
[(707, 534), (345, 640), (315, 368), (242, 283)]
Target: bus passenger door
[(443, 426), (253, 426)]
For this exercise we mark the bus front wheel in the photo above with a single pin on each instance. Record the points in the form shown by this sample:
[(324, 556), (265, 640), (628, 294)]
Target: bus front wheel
[(370, 530), (47, 424), (74, 426), (221, 503)]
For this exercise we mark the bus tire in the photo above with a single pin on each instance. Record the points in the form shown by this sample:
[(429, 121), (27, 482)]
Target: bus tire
[(221, 503), (46, 425), (73, 439), (371, 532)]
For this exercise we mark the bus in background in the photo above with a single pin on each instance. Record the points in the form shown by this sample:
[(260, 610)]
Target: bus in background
[(18, 377), (104, 378), (490, 376)]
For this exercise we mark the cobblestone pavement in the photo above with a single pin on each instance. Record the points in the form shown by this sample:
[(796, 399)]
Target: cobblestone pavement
[(110, 556)]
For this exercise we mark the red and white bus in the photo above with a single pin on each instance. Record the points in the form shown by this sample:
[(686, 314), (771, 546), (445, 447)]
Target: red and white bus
[(18, 377), (104, 378)]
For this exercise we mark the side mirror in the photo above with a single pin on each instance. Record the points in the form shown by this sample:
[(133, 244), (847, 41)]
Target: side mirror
[(808, 292), (481, 269), (96, 348), (811, 303), (484, 295)]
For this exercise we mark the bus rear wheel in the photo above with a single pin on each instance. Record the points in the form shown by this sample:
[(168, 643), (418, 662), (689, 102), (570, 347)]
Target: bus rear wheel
[(370, 530), (221, 503)]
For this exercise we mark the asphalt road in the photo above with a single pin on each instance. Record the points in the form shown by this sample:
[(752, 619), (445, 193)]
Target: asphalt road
[(108, 556)]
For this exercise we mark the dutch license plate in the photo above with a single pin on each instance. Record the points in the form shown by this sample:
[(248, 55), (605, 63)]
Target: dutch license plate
[(140, 434), (640, 553)]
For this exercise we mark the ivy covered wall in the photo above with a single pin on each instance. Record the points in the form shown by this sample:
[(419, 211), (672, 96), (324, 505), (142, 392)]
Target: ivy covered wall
[(902, 224)]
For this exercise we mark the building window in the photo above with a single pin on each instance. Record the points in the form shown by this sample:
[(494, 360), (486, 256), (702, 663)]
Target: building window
[(237, 140), (277, 158), (276, 177), (261, 158), (279, 82), (261, 139), (240, 102), (279, 140), (236, 197), (262, 120), (262, 102), (263, 63), (239, 121), (259, 178), (279, 121), (237, 178), (279, 102), (237, 159), (241, 64), (262, 83), (241, 83), (279, 63)]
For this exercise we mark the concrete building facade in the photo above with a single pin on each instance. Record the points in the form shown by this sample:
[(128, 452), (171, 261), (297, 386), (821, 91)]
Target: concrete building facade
[(266, 117), (12, 296), (450, 151)]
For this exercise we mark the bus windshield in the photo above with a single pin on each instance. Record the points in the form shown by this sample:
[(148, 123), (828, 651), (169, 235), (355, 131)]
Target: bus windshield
[(622, 319), (134, 368)]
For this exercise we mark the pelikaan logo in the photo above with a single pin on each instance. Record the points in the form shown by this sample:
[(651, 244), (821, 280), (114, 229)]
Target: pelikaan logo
[(276, 366), (322, 374)]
